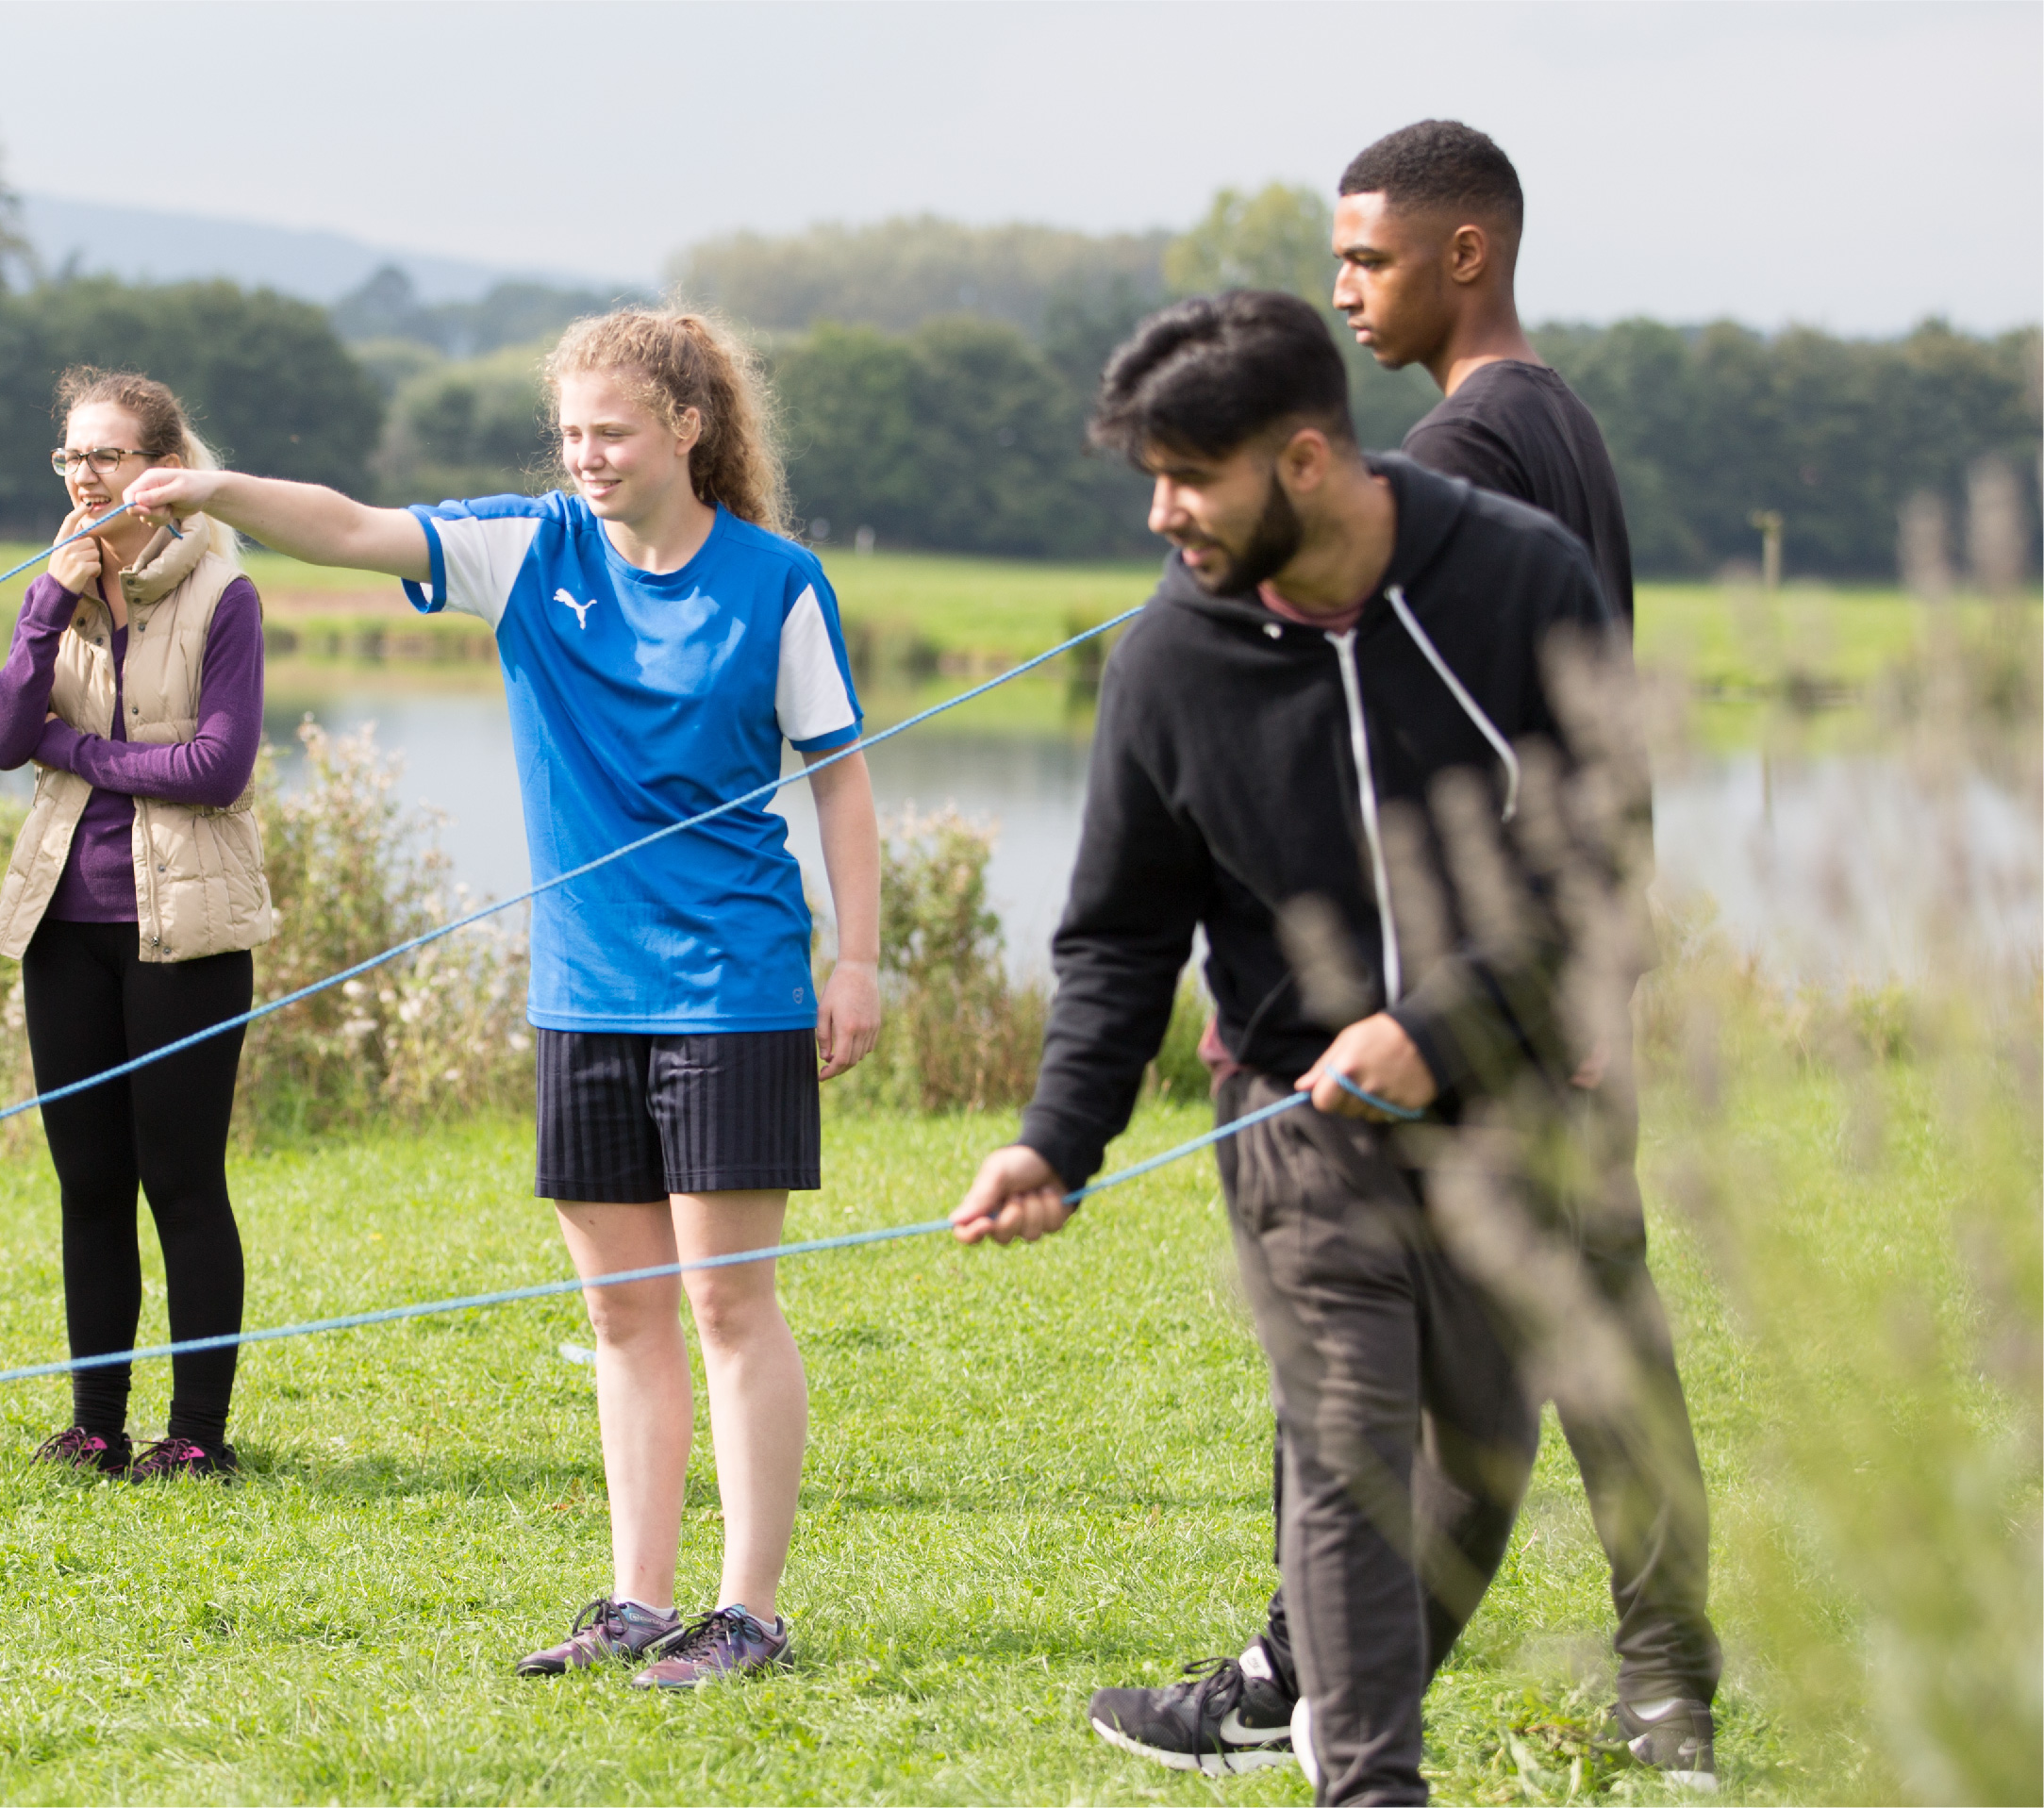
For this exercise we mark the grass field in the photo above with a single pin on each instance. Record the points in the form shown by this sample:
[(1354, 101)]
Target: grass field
[(1031, 1473)]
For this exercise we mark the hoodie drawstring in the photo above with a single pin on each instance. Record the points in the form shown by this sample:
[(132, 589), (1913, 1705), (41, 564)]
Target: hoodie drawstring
[(1351, 691), (1396, 595)]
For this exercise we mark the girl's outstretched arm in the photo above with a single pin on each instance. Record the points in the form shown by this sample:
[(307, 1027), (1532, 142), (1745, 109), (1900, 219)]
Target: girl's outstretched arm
[(305, 521), (848, 1020)]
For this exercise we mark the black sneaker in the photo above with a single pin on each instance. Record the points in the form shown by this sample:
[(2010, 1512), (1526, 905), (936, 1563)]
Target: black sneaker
[(169, 1458), (1232, 1716), (1672, 1737), (79, 1449)]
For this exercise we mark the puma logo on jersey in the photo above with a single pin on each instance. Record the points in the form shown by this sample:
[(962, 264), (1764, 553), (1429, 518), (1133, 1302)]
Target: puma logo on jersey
[(581, 609)]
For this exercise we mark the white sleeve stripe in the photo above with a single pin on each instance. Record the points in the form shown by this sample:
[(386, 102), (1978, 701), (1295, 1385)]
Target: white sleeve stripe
[(483, 558), (809, 695)]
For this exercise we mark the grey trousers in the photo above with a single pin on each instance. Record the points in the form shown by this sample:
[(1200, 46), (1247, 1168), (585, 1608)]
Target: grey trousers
[(1379, 1349), (1639, 1465)]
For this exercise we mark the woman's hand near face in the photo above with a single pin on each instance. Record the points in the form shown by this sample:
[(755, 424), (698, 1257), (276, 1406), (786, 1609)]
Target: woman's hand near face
[(77, 567)]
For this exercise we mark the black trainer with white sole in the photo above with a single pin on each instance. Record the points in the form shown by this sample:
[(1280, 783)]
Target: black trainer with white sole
[(1232, 1716), (1675, 1738)]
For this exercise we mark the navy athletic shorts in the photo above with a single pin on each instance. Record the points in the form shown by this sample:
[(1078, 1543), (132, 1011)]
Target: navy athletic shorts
[(628, 1119)]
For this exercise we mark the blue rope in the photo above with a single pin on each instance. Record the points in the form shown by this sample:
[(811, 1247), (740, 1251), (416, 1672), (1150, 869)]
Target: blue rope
[(89, 528), (1401, 1113), (588, 867), (547, 1289), (856, 1239)]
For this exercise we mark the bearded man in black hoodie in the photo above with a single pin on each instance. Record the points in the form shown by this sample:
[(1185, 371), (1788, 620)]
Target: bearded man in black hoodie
[(1427, 232), (1334, 741)]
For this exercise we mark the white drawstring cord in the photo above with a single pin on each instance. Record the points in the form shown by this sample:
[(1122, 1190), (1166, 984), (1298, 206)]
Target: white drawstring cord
[(1490, 729)]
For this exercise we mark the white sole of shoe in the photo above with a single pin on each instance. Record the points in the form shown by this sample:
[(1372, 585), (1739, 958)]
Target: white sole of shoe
[(1301, 1741), (1211, 1764)]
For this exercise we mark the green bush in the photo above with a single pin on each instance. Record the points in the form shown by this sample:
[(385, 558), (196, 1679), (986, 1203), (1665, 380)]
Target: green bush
[(959, 1035), (352, 873)]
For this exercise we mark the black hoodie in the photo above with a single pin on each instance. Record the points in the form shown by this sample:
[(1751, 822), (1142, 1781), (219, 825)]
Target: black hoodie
[(1224, 787)]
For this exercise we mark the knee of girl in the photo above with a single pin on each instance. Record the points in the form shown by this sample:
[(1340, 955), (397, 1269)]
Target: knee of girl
[(733, 1315), (618, 1323)]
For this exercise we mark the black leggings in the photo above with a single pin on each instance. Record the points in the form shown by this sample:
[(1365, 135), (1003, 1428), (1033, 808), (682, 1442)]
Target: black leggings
[(93, 1003)]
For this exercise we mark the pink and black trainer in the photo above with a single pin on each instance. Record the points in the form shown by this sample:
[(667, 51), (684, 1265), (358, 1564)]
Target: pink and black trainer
[(79, 1449), (170, 1457), (603, 1631), (729, 1642)]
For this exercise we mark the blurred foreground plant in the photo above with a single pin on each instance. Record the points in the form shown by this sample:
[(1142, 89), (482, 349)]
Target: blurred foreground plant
[(1863, 1165)]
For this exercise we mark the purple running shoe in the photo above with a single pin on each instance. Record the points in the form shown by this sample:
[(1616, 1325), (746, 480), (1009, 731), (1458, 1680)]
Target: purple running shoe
[(80, 1449), (170, 1457), (604, 1630), (729, 1642)]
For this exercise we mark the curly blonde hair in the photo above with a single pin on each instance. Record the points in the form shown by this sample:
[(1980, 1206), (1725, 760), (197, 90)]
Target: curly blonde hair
[(680, 361), (166, 428)]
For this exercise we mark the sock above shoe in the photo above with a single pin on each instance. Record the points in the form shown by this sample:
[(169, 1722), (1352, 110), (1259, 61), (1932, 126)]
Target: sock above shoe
[(646, 1608)]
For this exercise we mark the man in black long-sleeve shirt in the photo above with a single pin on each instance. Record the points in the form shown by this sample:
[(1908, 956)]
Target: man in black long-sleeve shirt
[(1336, 710), (1427, 232)]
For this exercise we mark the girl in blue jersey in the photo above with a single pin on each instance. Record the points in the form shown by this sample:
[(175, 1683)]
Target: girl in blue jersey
[(659, 640)]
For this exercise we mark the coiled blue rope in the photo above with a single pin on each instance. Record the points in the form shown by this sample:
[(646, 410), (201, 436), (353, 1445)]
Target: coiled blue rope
[(548, 1289)]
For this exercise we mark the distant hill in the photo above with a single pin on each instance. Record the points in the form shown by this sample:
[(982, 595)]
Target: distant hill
[(140, 244)]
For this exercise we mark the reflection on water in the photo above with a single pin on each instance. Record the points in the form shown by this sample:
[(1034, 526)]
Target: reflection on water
[(1837, 865)]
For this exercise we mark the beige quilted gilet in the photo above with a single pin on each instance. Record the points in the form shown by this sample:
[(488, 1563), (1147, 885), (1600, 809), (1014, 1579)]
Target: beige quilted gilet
[(199, 884)]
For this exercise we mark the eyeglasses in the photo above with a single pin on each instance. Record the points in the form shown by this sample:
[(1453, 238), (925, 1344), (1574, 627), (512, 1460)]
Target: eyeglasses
[(101, 459)]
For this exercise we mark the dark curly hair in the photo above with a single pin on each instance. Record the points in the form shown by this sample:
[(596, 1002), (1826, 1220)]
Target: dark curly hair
[(1210, 375), (1439, 164)]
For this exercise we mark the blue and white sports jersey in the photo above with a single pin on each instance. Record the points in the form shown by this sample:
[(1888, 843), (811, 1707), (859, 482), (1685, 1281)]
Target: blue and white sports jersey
[(636, 700)]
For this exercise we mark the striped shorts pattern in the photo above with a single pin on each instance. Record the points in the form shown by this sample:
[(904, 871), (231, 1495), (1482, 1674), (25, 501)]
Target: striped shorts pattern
[(628, 1119)]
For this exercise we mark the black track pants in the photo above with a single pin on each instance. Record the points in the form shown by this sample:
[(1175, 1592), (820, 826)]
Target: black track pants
[(93, 1003), (1379, 1351)]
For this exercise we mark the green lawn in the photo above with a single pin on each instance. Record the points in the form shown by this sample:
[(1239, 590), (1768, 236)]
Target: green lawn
[(1032, 1472)]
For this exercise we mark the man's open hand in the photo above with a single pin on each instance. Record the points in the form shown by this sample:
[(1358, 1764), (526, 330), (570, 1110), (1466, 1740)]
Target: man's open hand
[(1015, 1195)]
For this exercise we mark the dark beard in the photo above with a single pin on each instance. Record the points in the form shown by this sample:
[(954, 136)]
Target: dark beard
[(1270, 548)]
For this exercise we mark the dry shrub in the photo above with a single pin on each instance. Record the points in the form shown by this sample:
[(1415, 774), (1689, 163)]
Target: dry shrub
[(352, 873), (959, 1034)]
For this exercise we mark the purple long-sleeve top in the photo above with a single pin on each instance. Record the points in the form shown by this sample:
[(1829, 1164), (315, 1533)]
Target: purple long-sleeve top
[(211, 770)]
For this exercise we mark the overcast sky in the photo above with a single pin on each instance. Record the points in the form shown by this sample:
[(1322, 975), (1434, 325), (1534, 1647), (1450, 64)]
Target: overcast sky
[(1855, 166)]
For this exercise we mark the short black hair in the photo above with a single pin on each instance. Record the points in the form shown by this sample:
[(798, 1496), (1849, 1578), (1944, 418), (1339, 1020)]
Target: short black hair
[(1210, 375), (1439, 164)]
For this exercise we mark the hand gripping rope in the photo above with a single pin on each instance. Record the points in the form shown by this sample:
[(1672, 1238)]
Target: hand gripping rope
[(853, 1240), (89, 528)]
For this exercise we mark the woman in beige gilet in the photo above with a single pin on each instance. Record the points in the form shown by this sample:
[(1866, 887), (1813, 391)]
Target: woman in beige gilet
[(134, 895)]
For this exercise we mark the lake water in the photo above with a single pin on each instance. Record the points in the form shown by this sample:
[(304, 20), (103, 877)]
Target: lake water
[(1834, 867)]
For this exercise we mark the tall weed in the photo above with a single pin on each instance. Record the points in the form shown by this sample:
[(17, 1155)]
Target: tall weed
[(1863, 1166), (1886, 1269)]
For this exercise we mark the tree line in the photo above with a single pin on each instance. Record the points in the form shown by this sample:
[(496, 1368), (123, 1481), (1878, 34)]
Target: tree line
[(935, 380)]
